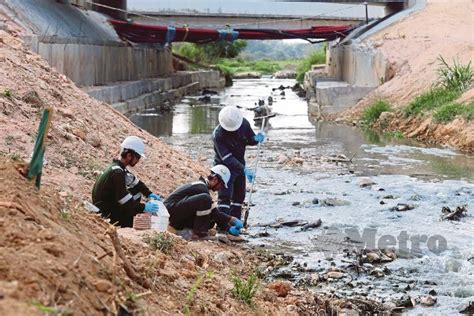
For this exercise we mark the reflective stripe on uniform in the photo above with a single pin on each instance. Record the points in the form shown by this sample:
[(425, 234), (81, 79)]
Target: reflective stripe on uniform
[(137, 196), (223, 205), (226, 156), (203, 213), (198, 182), (236, 204), (134, 183), (125, 199), (116, 167)]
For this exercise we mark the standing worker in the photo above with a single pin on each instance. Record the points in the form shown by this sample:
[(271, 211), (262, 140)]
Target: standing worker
[(230, 138), (190, 206), (117, 192)]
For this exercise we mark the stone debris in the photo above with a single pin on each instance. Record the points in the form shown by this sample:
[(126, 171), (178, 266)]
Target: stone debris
[(428, 300), (402, 207), (312, 225), (281, 288), (454, 215), (366, 182)]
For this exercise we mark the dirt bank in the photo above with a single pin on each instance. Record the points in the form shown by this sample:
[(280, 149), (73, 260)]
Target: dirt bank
[(412, 46), (57, 258)]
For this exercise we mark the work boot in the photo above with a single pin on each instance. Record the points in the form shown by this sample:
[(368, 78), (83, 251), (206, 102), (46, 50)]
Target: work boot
[(201, 237), (234, 238)]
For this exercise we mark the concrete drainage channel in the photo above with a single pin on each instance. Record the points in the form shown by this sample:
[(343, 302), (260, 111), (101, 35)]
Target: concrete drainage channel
[(133, 96)]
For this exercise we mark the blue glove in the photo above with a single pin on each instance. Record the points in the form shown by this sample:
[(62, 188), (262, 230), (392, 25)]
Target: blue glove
[(233, 230), (249, 174), (154, 196), (237, 223), (260, 137), (151, 207)]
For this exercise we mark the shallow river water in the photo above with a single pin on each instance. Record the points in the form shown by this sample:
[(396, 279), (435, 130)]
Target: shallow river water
[(311, 170)]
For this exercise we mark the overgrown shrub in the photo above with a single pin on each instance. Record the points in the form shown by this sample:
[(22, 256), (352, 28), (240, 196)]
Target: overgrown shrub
[(372, 113), (317, 57), (245, 290), (454, 77)]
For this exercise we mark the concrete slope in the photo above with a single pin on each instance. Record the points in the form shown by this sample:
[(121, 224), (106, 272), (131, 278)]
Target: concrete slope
[(53, 18)]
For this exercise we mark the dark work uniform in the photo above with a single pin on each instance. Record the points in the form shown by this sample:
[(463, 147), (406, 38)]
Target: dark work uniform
[(190, 206), (229, 148), (117, 193)]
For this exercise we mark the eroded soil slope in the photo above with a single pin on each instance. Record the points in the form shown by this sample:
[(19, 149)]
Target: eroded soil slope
[(412, 46)]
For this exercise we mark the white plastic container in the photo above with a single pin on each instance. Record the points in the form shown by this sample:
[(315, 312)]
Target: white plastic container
[(160, 221)]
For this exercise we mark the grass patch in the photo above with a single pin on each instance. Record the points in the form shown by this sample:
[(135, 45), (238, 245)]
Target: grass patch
[(467, 111), (192, 291), (317, 57), (394, 134), (433, 99), (245, 290), (452, 81), (372, 113), (448, 112), (264, 67), (7, 93), (160, 241)]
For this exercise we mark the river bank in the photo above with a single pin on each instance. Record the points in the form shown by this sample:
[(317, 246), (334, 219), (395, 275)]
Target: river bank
[(412, 54)]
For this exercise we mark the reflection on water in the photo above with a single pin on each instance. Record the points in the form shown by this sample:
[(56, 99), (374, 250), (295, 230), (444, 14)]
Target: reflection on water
[(372, 153)]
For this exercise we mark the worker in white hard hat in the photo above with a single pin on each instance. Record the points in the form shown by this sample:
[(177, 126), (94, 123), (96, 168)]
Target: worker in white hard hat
[(117, 192), (190, 206), (230, 138)]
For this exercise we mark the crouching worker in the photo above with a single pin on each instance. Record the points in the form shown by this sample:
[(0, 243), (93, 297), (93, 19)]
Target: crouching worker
[(190, 206), (117, 192)]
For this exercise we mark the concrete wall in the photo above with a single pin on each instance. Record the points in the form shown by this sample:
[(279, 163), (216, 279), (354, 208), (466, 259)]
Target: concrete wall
[(82, 45), (357, 64), (133, 96), (89, 64)]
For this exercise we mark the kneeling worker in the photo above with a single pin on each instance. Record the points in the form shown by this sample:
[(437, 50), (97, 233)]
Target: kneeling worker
[(190, 206), (117, 192)]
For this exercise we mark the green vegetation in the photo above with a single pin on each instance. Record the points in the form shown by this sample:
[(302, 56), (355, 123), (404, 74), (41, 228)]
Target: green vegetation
[(394, 134), (316, 57), (160, 241), (448, 112), (192, 291), (452, 81), (372, 113), (264, 67), (210, 53), (277, 50), (245, 290), (430, 100), (456, 77), (7, 93)]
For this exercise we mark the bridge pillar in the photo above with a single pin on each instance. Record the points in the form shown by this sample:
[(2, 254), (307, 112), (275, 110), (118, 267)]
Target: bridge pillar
[(119, 4)]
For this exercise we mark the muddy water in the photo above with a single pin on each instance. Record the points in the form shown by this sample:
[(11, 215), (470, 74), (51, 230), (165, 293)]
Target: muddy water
[(304, 174)]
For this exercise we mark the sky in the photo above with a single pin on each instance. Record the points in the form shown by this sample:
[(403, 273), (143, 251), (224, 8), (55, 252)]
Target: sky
[(256, 7)]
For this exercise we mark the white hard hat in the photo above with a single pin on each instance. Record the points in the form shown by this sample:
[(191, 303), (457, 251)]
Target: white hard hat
[(134, 143), (230, 118), (223, 172)]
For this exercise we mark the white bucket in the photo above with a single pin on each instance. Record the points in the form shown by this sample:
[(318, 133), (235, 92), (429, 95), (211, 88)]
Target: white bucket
[(160, 221)]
